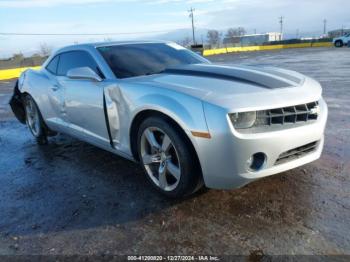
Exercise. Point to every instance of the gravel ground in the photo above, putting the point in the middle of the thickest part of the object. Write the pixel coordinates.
(71, 198)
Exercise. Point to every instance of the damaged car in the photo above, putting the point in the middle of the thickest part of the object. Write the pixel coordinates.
(188, 122)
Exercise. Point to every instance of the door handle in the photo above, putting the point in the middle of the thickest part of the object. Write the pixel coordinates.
(55, 87)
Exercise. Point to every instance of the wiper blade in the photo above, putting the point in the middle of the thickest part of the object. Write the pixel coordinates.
(153, 73)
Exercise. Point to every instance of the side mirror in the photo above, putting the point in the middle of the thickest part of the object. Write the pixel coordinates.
(83, 73)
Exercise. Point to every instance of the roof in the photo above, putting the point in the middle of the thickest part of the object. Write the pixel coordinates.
(100, 44)
(88, 46)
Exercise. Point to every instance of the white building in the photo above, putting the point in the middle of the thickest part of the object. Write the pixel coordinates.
(255, 39)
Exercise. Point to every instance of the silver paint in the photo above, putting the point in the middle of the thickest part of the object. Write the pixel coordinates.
(196, 103)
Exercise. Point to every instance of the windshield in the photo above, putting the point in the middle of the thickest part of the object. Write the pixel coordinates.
(145, 59)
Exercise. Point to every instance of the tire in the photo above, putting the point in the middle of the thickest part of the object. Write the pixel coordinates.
(168, 159)
(338, 43)
(34, 120)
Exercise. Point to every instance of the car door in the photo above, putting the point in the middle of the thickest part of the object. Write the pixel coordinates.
(83, 99)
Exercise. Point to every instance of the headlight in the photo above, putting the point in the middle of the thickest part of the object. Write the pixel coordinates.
(243, 120)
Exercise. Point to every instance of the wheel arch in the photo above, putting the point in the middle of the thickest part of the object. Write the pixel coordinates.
(144, 114)
(47, 130)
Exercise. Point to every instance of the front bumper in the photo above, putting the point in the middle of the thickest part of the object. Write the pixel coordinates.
(224, 157)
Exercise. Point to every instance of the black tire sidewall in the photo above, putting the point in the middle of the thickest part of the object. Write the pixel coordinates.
(190, 175)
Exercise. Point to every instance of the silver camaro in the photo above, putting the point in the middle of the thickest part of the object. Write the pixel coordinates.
(188, 122)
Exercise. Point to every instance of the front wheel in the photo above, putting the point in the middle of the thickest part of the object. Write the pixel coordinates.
(34, 120)
(167, 158)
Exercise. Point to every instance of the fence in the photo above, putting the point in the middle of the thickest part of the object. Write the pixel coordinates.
(7, 74)
(226, 50)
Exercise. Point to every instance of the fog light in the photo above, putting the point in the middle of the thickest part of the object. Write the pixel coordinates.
(256, 161)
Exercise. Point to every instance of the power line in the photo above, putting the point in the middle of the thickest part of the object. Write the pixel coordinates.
(192, 17)
(78, 34)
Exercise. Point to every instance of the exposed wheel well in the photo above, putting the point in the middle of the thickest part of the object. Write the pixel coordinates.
(140, 117)
(17, 105)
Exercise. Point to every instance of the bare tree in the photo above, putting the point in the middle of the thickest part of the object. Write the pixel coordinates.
(185, 42)
(241, 31)
(18, 56)
(213, 37)
(18, 59)
(234, 32)
(45, 49)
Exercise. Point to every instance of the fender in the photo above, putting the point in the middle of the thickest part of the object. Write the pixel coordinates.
(189, 118)
(120, 112)
(188, 114)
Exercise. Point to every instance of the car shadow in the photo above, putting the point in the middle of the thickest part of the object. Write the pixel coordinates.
(69, 184)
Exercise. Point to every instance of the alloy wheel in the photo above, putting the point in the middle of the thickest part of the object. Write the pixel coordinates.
(32, 115)
(160, 158)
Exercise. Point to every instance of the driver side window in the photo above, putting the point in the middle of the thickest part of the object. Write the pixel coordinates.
(75, 59)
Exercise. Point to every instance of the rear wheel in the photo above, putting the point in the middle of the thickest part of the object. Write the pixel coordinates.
(339, 43)
(34, 120)
(167, 158)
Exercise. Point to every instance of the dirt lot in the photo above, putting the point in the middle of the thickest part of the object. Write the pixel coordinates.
(71, 198)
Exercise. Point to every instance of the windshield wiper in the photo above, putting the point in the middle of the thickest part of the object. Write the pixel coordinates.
(153, 73)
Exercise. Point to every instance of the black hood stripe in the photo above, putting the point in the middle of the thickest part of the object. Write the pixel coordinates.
(210, 75)
(251, 76)
(282, 74)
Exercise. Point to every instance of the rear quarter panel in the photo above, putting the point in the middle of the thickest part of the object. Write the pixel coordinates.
(36, 84)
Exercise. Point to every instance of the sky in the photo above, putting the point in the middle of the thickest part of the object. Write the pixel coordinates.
(149, 19)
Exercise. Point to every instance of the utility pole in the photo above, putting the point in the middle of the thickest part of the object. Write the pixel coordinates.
(325, 26)
(281, 26)
(192, 18)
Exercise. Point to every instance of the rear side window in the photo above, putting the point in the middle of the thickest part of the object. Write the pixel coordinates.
(52, 66)
(76, 59)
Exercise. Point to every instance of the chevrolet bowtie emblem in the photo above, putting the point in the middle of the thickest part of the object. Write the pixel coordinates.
(315, 110)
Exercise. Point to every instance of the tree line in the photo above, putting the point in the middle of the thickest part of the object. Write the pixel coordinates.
(19, 60)
(214, 37)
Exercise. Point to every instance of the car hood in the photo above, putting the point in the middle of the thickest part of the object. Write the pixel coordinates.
(238, 88)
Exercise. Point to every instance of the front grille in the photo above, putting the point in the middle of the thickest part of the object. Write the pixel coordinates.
(288, 115)
(296, 153)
